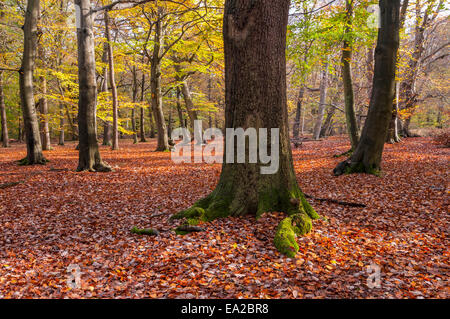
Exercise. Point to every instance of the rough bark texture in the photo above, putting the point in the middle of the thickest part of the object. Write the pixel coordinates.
(89, 155)
(4, 124)
(367, 156)
(112, 83)
(322, 102)
(352, 127)
(31, 124)
(255, 85)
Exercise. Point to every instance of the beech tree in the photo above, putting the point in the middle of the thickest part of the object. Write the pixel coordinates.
(30, 120)
(367, 156)
(255, 90)
(89, 155)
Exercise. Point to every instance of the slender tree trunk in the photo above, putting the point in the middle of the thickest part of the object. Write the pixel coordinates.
(31, 124)
(142, 110)
(89, 155)
(192, 113)
(43, 106)
(157, 102)
(367, 156)
(323, 101)
(352, 127)
(133, 110)
(61, 125)
(393, 131)
(255, 90)
(3, 119)
(112, 81)
(179, 110)
(298, 113)
(326, 127)
(107, 128)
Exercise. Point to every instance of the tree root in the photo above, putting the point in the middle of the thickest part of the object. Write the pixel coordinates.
(25, 162)
(346, 153)
(287, 231)
(148, 231)
(335, 201)
(349, 167)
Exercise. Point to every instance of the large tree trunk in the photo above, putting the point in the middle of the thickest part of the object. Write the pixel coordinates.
(89, 155)
(322, 102)
(31, 124)
(3, 120)
(255, 86)
(298, 112)
(367, 156)
(155, 84)
(112, 82)
(352, 127)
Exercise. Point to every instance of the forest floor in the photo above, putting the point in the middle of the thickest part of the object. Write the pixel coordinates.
(58, 218)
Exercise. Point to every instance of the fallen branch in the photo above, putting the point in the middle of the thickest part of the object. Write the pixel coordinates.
(11, 184)
(330, 200)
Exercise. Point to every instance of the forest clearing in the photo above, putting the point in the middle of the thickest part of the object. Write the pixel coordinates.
(58, 218)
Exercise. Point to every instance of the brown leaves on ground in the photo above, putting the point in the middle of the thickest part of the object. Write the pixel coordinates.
(59, 218)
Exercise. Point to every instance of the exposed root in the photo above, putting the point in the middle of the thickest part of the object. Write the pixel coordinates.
(287, 232)
(148, 231)
(349, 167)
(25, 161)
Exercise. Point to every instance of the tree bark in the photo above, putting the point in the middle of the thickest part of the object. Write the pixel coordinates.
(298, 112)
(3, 119)
(112, 83)
(322, 102)
(43, 106)
(255, 89)
(89, 155)
(157, 102)
(31, 124)
(192, 113)
(352, 127)
(133, 110)
(367, 156)
(179, 109)
(142, 110)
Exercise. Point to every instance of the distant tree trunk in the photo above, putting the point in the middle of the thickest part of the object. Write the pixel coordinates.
(255, 85)
(112, 82)
(89, 155)
(43, 106)
(142, 110)
(393, 131)
(31, 124)
(192, 113)
(179, 110)
(323, 101)
(298, 113)
(352, 127)
(326, 127)
(107, 129)
(133, 110)
(157, 102)
(367, 156)
(3, 119)
(61, 125)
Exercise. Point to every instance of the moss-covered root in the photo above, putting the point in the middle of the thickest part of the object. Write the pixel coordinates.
(287, 231)
(25, 162)
(148, 231)
(349, 167)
